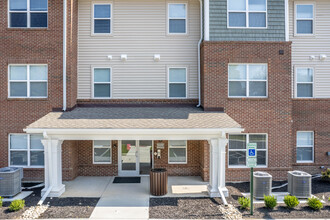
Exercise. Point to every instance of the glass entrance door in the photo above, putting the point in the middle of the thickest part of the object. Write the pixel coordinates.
(129, 154)
(135, 157)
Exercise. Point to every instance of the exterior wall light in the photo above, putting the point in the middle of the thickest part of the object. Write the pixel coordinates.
(323, 57)
(157, 57)
(109, 57)
(312, 57)
(123, 57)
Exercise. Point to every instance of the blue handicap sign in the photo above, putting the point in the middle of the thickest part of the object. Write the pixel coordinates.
(252, 152)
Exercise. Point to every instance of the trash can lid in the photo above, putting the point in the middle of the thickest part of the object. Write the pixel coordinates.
(158, 170)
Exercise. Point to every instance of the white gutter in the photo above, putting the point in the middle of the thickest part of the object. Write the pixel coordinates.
(199, 52)
(206, 20)
(223, 198)
(43, 198)
(286, 9)
(64, 54)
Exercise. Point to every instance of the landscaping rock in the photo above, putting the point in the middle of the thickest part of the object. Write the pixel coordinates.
(34, 212)
(230, 212)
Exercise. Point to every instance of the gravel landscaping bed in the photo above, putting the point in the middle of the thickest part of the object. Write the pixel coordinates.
(320, 189)
(69, 207)
(185, 208)
(31, 200)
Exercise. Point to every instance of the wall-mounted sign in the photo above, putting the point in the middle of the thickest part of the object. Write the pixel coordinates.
(160, 145)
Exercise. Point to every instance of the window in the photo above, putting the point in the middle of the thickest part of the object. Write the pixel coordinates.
(177, 18)
(304, 19)
(177, 152)
(26, 150)
(102, 82)
(102, 19)
(102, 152)
(247, 13)
(238, 150)
(177, 82)
(304, 81)
(28, 13)
(305, 147)
(28, 81)
(247, 80)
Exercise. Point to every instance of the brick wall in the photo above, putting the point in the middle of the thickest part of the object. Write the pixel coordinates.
(270, 115)
(313, 115)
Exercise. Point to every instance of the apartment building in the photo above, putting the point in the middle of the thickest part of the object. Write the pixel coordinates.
(116, 87)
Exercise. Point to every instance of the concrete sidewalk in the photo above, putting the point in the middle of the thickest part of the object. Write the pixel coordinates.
(124, 201)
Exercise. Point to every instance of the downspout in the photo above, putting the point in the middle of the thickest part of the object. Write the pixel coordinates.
(64, 54)
(286, 7)
(199, 53)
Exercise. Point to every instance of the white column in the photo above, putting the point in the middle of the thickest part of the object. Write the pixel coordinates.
(217, 167)
(53, 167)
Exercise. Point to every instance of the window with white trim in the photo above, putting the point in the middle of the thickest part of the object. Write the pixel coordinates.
(304, 19)
(28, 81)
(102, 19)
(237, 150)
(305, 147)
(28, 13)
(304, 82)
(26, 150)
(247, 80)
(177, 18)
(177, 83)
(177, 151)
(102, 82)
(247, 13)
(102, 152)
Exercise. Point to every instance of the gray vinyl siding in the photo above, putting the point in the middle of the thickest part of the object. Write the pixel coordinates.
(305, 46)
(274, 32)
(138, 30)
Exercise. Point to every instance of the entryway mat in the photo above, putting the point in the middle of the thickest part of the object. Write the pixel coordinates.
(127, 180)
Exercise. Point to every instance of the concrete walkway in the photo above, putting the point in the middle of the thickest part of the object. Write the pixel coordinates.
(124, 201)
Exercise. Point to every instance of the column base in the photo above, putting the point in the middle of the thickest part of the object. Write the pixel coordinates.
(55, 192)
(215, 192)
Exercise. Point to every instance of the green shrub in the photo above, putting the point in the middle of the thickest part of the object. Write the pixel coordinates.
(315, 203)
(270, 201)
(1, 201)
(326, 175)
(16, 205)
(291, 201)
(244, 202)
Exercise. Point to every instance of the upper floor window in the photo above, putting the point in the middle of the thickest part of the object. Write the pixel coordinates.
(177, 151)
(177, 83)
(304, 19)
(102, 18)
(247, 13)
(102, 82)
(237, 149)
(28, 81)
(26, 150)
(102, 152)
(305, 147)
(28, 13)
(177, 18)
(304, 82)
(247, 80)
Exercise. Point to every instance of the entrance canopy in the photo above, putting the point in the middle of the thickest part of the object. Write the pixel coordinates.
(135, 123)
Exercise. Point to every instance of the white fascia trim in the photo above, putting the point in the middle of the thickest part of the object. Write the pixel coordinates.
(64, 53)
(134, 134)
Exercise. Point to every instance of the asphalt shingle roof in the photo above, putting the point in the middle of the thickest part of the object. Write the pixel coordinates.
(135, 118)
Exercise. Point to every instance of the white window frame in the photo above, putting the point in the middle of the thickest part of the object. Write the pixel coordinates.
(169, 18)
(28, 81)
(93, 83)
(246, 151)
(110, 147)
(247, 11)
(168, 80)
(28, 15)
(247, 80)
(296, 82)
(93, 19)
(311, 146)
(28, 150)
(177, 147)
(296, 19)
